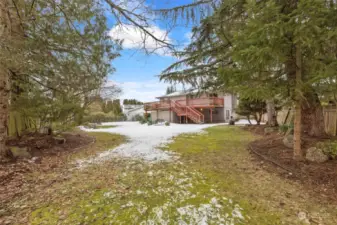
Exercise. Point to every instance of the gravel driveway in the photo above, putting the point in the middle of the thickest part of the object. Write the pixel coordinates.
(143, 141)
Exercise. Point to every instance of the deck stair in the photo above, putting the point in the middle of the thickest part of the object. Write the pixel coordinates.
(187, 111)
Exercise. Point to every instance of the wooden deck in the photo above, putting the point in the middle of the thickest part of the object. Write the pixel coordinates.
(211, 102)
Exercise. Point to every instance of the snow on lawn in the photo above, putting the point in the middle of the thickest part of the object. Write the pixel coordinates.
(147, 194)
(143, 141)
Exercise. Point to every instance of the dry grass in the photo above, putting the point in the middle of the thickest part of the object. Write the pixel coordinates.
(214, 177)
(268, 198)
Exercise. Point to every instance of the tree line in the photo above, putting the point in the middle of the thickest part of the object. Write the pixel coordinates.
(132, 102)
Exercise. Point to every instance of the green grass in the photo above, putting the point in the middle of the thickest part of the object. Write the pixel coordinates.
(221, 155)
(103, 141)
(105, 126)
(215, 171)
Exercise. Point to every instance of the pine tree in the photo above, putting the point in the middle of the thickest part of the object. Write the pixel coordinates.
(265, 49)
(60, 50)
(170, 89)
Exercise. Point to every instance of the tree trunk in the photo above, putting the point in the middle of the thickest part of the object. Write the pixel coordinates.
(257, 119)
(248, 118)
(313, 118)
(298, 154)
(271, 113)
(4, 109)
(5, 33)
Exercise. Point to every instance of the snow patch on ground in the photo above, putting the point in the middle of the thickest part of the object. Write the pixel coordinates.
(143, 141)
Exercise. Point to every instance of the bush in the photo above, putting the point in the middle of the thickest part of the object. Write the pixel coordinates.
(137, 118)
(149, 123)
(101, 117)
(285, 127)
(329, 148)
(143, 121)
(167, 123)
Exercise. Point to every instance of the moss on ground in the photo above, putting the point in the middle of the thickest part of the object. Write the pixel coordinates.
(214, 181)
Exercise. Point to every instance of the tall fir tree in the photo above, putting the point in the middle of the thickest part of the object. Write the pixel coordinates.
(265, 49)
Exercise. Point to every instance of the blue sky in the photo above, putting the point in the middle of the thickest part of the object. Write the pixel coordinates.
(136, 71)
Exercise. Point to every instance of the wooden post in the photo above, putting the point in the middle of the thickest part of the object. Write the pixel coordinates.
(298, 153)
(170, 115)
(335, 123)
(210, 111)
(180, 118)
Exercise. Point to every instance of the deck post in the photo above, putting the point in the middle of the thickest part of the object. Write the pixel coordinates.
(170, 115)
(210, 111)
(180, 118)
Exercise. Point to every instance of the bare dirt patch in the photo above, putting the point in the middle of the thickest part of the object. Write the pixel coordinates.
(46, 154)
(320, 179)
(25, 183)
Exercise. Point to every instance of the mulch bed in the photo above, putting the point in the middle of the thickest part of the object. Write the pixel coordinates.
(48, 155)
(318, 178)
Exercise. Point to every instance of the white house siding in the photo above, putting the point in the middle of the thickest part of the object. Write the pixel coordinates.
(220, 114)
(229, 107)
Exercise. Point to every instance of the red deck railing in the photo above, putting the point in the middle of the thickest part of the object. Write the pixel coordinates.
(195, 115)
(203, 102)
(194, 103)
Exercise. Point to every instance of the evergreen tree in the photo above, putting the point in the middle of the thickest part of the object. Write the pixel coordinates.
(116, 107)
(266, 49)
(59, 52)
(170, 89)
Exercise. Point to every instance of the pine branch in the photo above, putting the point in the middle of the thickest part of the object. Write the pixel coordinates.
(128, 16)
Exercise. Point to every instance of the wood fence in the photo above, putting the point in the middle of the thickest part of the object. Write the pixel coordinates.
(330, 119)
(18, 123)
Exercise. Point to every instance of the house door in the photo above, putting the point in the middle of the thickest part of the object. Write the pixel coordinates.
(228, 114)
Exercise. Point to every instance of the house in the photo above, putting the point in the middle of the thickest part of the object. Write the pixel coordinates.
(132, 111)
(192, 107)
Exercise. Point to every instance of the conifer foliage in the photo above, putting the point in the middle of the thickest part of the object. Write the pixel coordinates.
(55, 57)
(264, 49)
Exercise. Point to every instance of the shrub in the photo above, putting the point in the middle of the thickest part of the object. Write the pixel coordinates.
(101, 117)
(254, 107)
(285, 127)
(149, 123)
(137, 118)
(329, 148)
(167, 123)
(143, 121)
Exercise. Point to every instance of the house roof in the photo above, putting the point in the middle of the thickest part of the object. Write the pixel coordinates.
(133, 110)
(179, 93)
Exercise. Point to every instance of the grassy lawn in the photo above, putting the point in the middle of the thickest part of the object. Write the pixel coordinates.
(214, 181)
(105, 126)
(221, 155)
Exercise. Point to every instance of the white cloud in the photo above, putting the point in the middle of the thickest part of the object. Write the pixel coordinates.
(134, 38)
(145, 91)
(188, 36)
